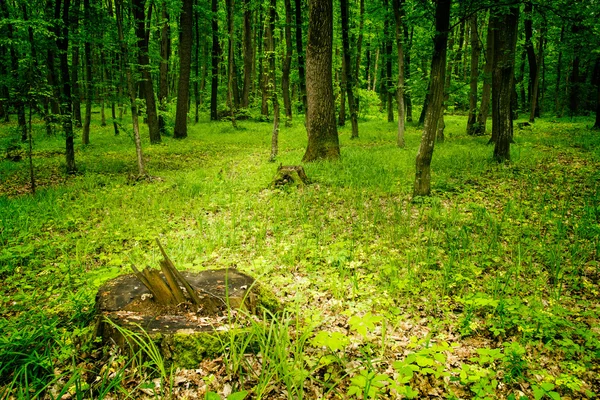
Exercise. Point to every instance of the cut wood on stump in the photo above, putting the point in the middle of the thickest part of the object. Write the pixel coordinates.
(290, 175)
(184, 312)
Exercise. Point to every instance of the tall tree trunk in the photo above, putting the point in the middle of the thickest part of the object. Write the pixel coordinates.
(163, 68)
(287, 62)
(398, 6)
(487, 82)
(505, 40)
(216, 52)
(388, 86)
(67, 106)
(557, 93)
(139, 14)
(475, 51)
(197, 66)
(437, 79)
(407, 95)
(531, 56)
(323, 142)
(130, 89)
(87, 52)
(300, 53)
(340, 76)
(347, 68)
(229, 4)
(359, 42)
(75, 58)
(535, 93)
(185, 63)
(248, 54)
(271, 83)
(574, 91)
(264, 76)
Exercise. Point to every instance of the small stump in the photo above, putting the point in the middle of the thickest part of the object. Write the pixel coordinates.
(289, 175)
(187, 331)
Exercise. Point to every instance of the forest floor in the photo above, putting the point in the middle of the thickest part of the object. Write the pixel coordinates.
(487, 289)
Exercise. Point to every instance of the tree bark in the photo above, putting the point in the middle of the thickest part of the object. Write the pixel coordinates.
(229, 4)
(75, 59)
(398, 6)
(436, 95)
(505, 40)
(163, 68)
(557, 94)
(359, 42)
(216, 52)
(323, 142)
(300, 53)
(248, 54)
(286, 64)
(347, 68)
(185, 63)
(487, 82)
(407, 95)
(535, 93)
(271, 82)
(531, 57)
(87, 53)
(139, 15)
(387, 85)
(130, 89)
(475, 51)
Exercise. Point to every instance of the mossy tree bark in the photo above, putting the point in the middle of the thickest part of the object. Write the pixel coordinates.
(422, 185)
(323, 142)
(505, 40)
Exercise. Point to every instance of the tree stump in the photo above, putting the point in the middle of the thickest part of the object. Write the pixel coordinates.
(185, 329)
(290, 175)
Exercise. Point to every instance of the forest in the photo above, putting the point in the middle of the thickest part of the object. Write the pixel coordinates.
(409, 191)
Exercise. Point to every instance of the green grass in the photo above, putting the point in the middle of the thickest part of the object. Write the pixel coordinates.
(500, 262)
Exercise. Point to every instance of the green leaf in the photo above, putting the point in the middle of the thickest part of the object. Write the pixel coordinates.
(238, 395)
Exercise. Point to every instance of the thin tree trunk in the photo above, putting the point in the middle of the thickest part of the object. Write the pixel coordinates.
(67, 107)
(398, 6)
(596, 80)
(505, 40)
(75, 58)
(248, 54)
(531, 56)
(475, 51)
(130, 89)
(216, 51)
(437, 79)
(287, 62)
(487, 83)
(271, 82)
(87, 52)
(407, 95)
(388, 85)
(300, 53)
(359, 42)
(230, 65)
(185, 63)
(196, 66)
(139, 14)
(163, 68)
(323, 142)
(557, 93)
(535, 110)
(347, 68)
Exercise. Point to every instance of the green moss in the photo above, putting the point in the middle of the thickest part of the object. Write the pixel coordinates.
(186, 350)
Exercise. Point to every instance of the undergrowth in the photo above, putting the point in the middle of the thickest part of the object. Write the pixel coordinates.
(486, 289)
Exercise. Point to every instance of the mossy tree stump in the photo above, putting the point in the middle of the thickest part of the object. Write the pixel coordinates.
(290, 175)
(187, 322)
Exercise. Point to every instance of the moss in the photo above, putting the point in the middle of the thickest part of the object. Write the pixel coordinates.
(266, 299)
(186, 350)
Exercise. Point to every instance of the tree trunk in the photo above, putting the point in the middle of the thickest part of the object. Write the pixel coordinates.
(535, 93)
(436, 95)
(87, 52)
(229, 4)
(407, 95)
(472, 128)
(347, 68)
(487, 82)
(248, 54)
(341, 77)
(398, 6)
(300, 53)
(557, 93)
(139, 15)
(271, 83)
(163, 68)
(323, 142)
(130, 89)
(216, 52)
(75, 58)
(388, 86)
(359, 42)
(596, 80)
(287, 62)
(185, 63)
(505, 40)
